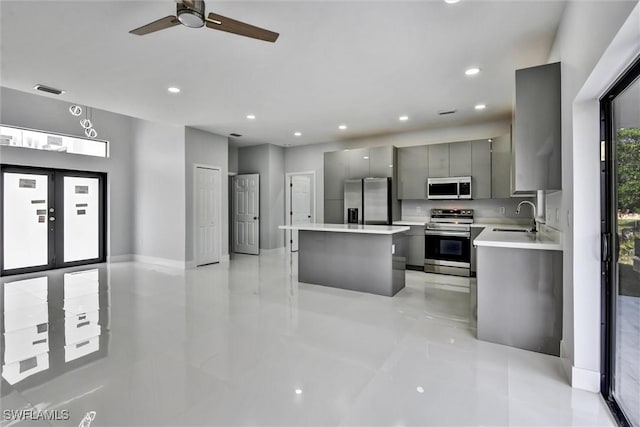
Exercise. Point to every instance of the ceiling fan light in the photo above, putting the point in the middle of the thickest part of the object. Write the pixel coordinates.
(193, 18)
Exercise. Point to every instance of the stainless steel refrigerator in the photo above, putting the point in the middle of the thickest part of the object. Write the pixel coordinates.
(371, 197)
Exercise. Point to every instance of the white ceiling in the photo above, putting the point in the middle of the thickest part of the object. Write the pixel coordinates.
(361, 63)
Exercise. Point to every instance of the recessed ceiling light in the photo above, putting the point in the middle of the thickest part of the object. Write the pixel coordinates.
(480, 107)
(420, 389)
(297, 134)
(251, 116)
(174, 89)
(472, 71)
(390, 166)
(366, 157)
(403, 118)
(451, 1)
(342, 127)
(298, 391)
(490, 139)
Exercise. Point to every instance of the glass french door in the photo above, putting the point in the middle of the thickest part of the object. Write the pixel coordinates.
(50, 219)
(620, 167)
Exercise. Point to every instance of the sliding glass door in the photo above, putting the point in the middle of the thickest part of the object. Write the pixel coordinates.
(50, 219)
(620, 159)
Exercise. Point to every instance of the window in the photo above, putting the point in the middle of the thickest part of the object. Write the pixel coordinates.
(37, 140)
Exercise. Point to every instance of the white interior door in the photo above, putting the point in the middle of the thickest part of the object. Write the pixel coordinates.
(26, 220)
(207, 210)
(301, 204)
(81, 218)
(246, 214)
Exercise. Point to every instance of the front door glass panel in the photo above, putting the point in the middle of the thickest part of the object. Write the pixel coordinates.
(25, 220)
(81, 218)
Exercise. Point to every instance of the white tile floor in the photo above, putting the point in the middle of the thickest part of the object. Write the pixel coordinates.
(245, 344)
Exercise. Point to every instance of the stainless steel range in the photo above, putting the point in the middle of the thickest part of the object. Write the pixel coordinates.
(448, 242)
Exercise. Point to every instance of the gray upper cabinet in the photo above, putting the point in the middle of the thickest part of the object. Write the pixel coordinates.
(481, 169)
(501, 167)
(438, 160)
(335, 172)
(358, 160)
(381, 162)
(413, 171)
(537, 129)
(460, 158)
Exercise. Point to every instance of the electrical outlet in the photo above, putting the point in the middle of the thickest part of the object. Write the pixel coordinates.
(501, 210)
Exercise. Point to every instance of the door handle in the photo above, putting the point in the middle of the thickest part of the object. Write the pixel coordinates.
(308, 216)
(51, 218)
(255, 217)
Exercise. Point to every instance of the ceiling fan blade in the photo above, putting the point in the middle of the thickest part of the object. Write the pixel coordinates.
(188, 3)
(160, 24)
(222, 23)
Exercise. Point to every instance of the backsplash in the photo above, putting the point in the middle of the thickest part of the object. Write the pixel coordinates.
(484, 208)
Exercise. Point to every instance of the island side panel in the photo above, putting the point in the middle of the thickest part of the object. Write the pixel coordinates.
(520, 298)
(355, 261)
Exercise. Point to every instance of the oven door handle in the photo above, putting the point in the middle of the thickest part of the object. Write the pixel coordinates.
(446, 233)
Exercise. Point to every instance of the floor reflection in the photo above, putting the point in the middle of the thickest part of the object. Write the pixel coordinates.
(52, 323)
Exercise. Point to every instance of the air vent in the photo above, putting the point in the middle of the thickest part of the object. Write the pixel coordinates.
(237, 135)
(48, 89)
(445, 112)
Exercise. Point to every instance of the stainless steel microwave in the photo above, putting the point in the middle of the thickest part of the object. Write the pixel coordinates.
(452, 188)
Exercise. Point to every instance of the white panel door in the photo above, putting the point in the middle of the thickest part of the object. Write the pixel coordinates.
(81, 218)
(207, 222)
(246, 214)
(301, 204)
(26, 220)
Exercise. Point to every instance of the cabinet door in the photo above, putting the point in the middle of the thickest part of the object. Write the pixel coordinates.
(413, 171)
(335, 172)
(381, 162)
(481, 169)
(438, 160)
(333, 211)
(501, 167)
(537, 129)
(460, 158)
(416, 248)
(358, 163)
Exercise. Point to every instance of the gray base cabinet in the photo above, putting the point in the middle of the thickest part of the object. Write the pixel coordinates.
(415, 247)
(520, 298)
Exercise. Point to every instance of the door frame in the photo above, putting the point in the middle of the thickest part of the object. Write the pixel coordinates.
(56, 239)
(194, 231)
(609, 239)
(287, 206)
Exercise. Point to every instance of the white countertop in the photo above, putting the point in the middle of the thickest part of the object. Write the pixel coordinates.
(411, 222)
(348, 228)
(546, 239)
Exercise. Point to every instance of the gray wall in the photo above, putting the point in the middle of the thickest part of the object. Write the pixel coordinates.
(206, 149)
(268, 161)
(43, 113)
(159, 197)
(311, 157)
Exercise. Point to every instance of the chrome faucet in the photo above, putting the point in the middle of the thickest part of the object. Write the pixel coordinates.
(534, 222)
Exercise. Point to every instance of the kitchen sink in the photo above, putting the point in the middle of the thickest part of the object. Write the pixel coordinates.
(515, 230)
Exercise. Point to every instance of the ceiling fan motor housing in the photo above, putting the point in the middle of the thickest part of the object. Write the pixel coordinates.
(191, 16)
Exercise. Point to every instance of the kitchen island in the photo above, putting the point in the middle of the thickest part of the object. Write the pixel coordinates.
(519, 288)
(365, 258)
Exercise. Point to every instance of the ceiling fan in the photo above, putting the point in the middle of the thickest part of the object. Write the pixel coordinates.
(191, 13)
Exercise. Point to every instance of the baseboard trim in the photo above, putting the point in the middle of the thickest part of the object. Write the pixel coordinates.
(583, 379)
(120, 258)
(171, 263)
(224, 258)
(191, 264)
